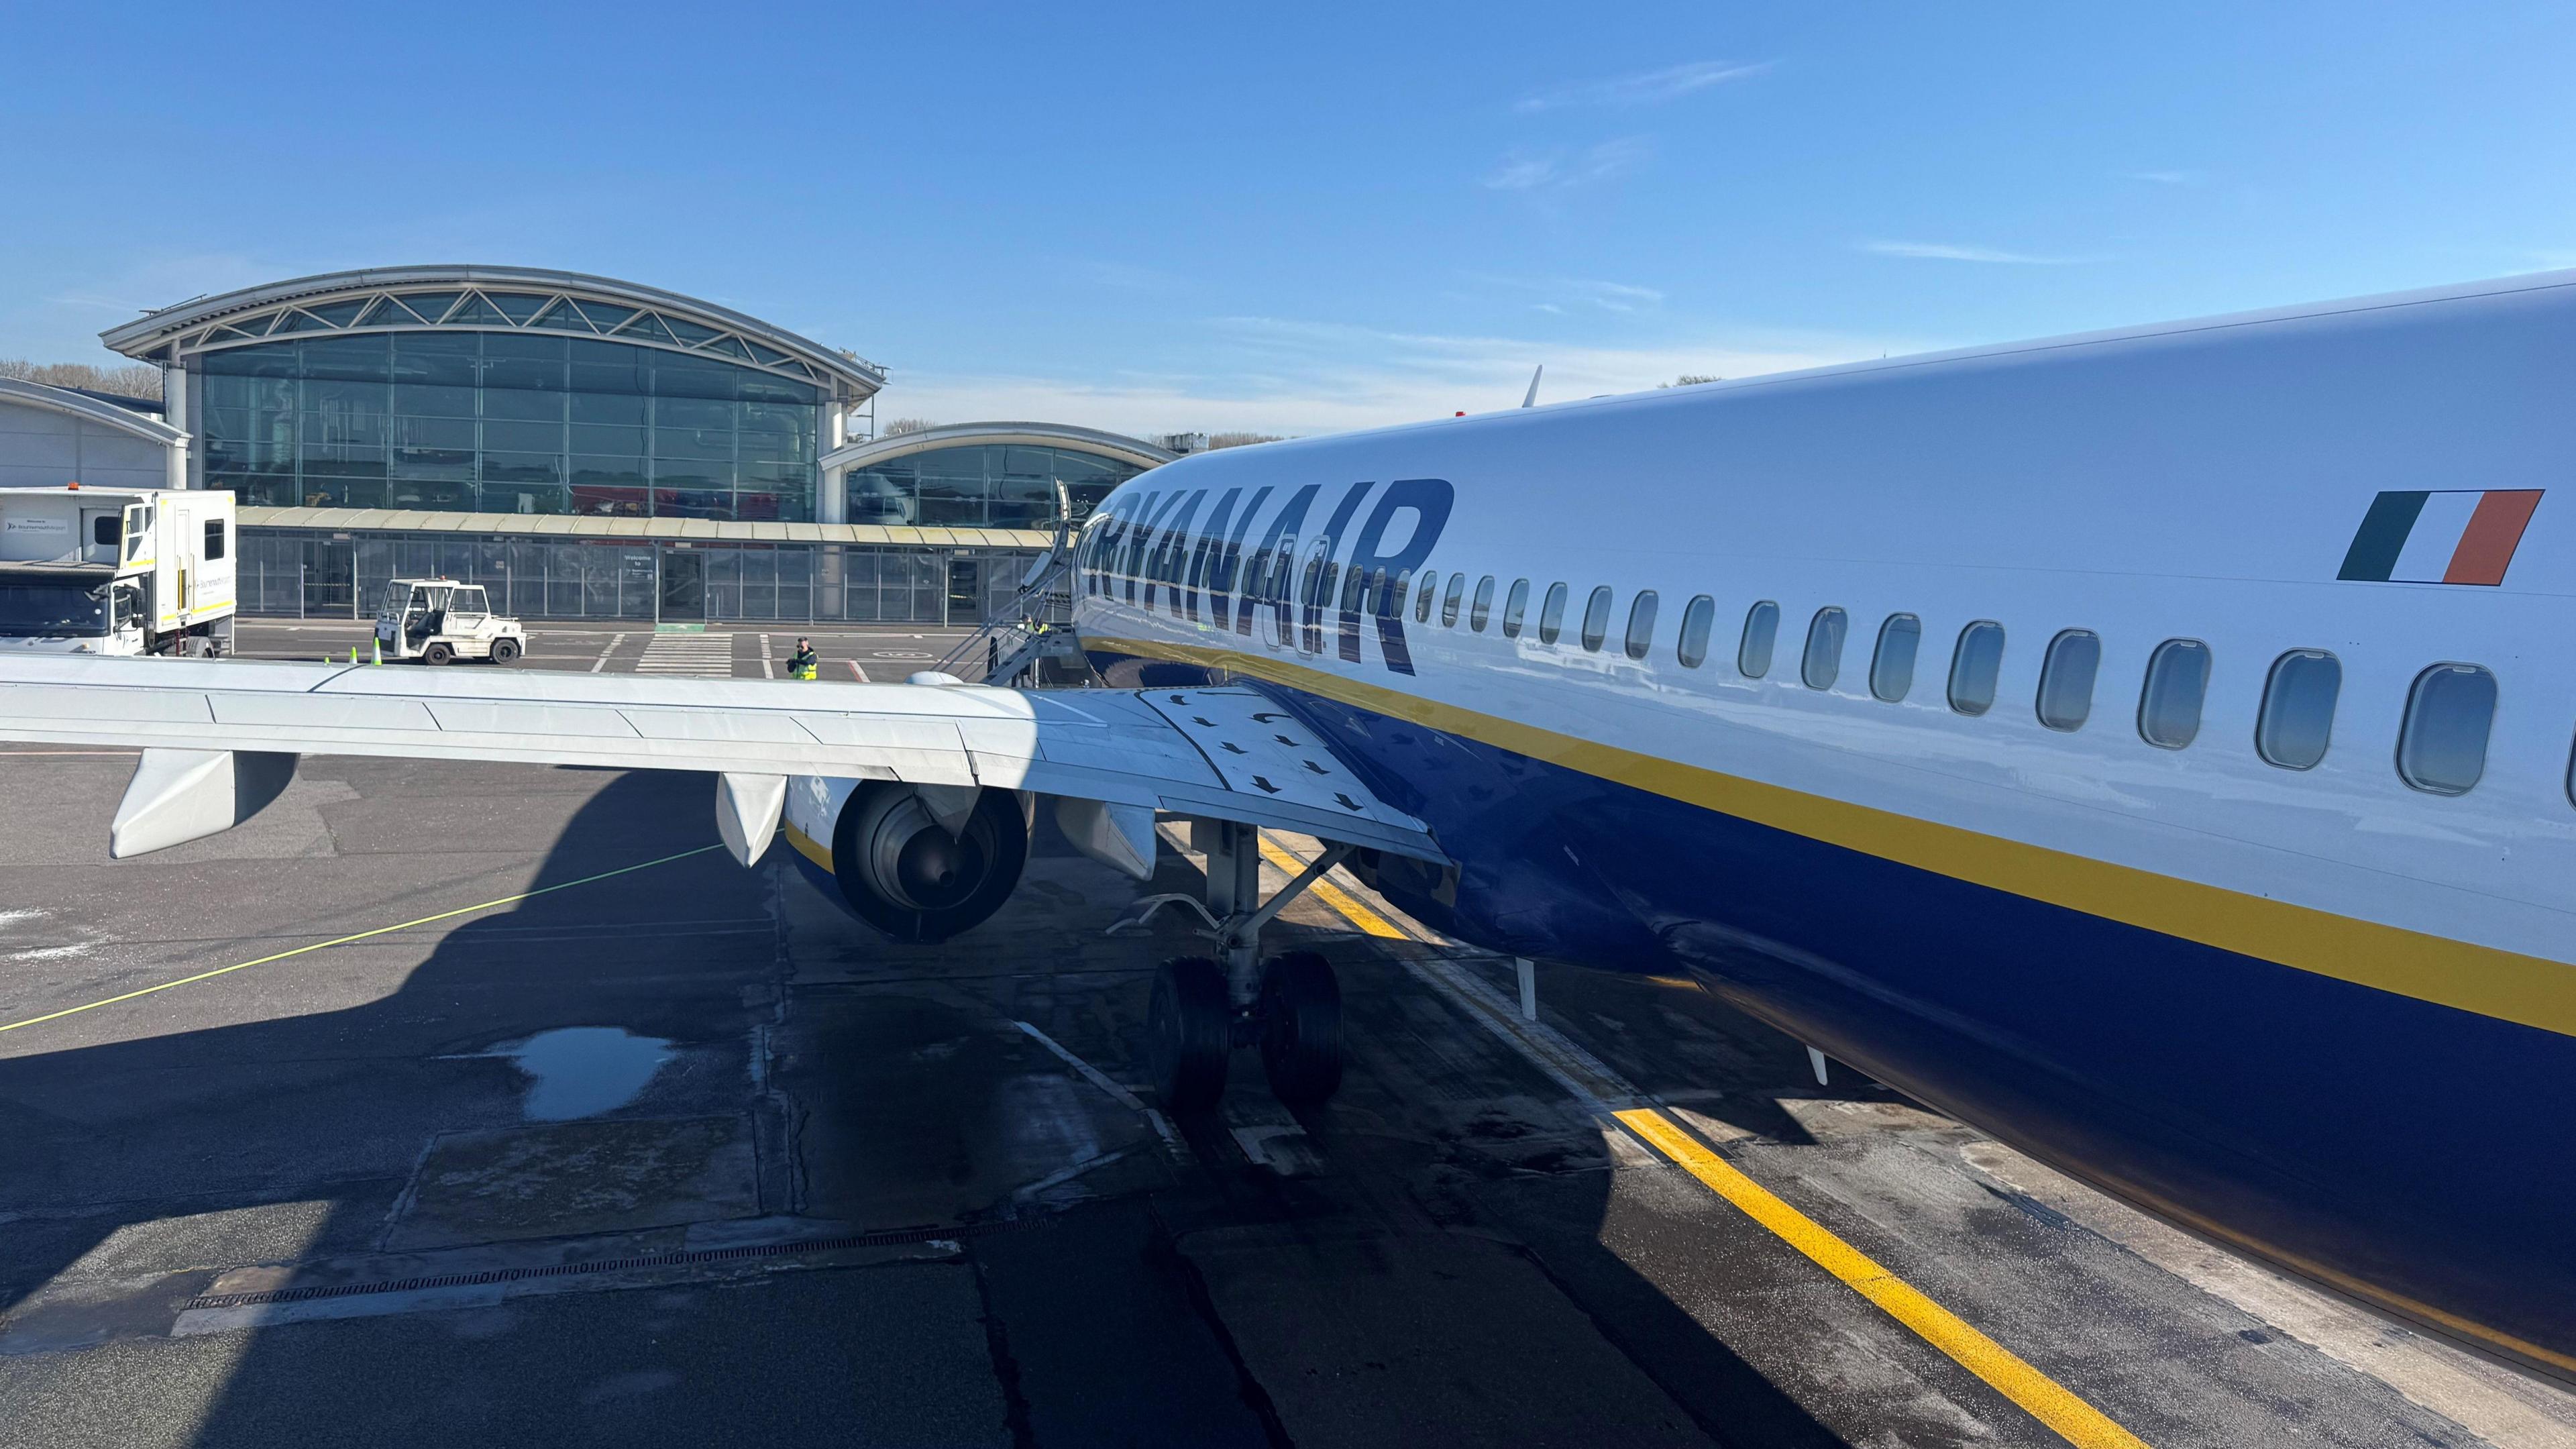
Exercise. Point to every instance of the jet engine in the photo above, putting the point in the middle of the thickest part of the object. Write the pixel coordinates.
(925, 862)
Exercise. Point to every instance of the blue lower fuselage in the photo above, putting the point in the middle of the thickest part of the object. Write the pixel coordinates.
(2413, 1154)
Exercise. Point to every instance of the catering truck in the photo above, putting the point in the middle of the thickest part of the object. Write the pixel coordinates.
(116, 570)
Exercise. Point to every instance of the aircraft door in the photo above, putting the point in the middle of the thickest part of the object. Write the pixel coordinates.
(1314, 584)
(1278, 567)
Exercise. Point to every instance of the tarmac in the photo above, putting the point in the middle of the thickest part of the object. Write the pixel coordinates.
(608, 1140)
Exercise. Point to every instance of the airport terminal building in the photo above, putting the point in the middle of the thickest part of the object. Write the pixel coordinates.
(590, 448)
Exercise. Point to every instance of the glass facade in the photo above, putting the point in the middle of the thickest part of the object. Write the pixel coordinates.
(505, 422)
(293, 573)
(982, 485)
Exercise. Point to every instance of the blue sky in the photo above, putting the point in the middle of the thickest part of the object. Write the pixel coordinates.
(1297, 219)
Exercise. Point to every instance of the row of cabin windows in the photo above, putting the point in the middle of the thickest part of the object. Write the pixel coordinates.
(2441, 748)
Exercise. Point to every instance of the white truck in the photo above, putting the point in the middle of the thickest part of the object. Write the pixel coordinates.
(117, 570)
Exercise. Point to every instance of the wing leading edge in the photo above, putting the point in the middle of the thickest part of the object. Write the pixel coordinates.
(1223, 754)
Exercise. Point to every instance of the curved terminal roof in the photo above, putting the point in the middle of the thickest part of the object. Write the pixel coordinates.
(81, 405)
(496, 299)
(1042, 435)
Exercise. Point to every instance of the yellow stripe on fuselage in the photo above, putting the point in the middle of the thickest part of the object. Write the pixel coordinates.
(806, 846)
(2506, 985)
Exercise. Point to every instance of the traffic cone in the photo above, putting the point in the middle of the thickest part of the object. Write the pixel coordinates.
(375, 647)
(353, 653)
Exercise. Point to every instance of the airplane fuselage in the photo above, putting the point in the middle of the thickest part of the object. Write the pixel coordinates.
(2152, 747)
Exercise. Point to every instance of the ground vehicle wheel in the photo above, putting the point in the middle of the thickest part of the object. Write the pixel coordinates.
(1189, 1033)
(504, 650)
(1301, 1027)
(439, 653)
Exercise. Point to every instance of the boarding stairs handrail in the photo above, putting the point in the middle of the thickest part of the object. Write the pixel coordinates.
(1037, 617)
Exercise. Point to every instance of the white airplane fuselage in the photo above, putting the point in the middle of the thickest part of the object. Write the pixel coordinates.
(2300, 1004)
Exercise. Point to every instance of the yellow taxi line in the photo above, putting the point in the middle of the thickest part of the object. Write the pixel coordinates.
(1332, 895)
(345, 940)
(2042, 1397)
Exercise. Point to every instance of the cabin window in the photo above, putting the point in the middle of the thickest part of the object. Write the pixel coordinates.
(1391, 603)
(2066, 679)
(2298, 709)
(1515, 606)
(1891, 668)
(1450, 601)
(1551, 614)
(1596, 617)
(1641, 623)
(2443, 748)
(1422, 601)
(1483, 608)
(1761, 628)
(1823, 662)
(1698, 617)
(2177, 683)
(1975, 666)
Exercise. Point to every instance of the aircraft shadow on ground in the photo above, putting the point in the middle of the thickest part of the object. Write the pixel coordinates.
(112, 1156)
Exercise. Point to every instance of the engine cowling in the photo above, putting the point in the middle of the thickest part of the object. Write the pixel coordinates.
(918, 878)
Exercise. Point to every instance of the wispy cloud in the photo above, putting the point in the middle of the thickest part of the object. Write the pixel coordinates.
(1643, 88)
(1282, 375)
(1943, 252)
(1557, 293)
(2168, 178)
(1561, 170)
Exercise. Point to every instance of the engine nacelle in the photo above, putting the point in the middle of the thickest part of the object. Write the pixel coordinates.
(925, 863)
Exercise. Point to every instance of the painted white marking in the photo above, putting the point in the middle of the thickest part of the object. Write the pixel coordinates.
(1098, 1078)
(601, 662)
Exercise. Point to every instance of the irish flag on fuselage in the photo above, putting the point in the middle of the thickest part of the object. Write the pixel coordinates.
(2460, 536)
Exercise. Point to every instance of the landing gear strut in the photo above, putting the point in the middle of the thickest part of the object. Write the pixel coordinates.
(1290, 1005)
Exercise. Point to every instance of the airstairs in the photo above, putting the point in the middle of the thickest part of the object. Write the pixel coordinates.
(1035, 628)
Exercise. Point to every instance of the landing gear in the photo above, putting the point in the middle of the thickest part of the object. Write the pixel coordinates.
(1189, 1033)
(1301, 1028)
(1192, 1030)
(1290, 1005)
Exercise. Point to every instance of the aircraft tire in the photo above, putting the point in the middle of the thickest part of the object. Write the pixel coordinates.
(1301, 1028)
(1189, 1033)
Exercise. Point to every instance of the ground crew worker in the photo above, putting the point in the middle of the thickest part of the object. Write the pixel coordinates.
(804, 664)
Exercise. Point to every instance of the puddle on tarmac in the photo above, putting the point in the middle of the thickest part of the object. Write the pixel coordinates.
(582, 1071)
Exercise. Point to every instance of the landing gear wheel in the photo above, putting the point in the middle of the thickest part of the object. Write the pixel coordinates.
(1301, 1028)
(1189, 1031)
(505, 651)
(438, 654)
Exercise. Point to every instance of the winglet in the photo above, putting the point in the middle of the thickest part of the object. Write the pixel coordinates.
(1530, 399)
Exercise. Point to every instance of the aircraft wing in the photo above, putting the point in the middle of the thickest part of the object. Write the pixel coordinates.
(1224, 754)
